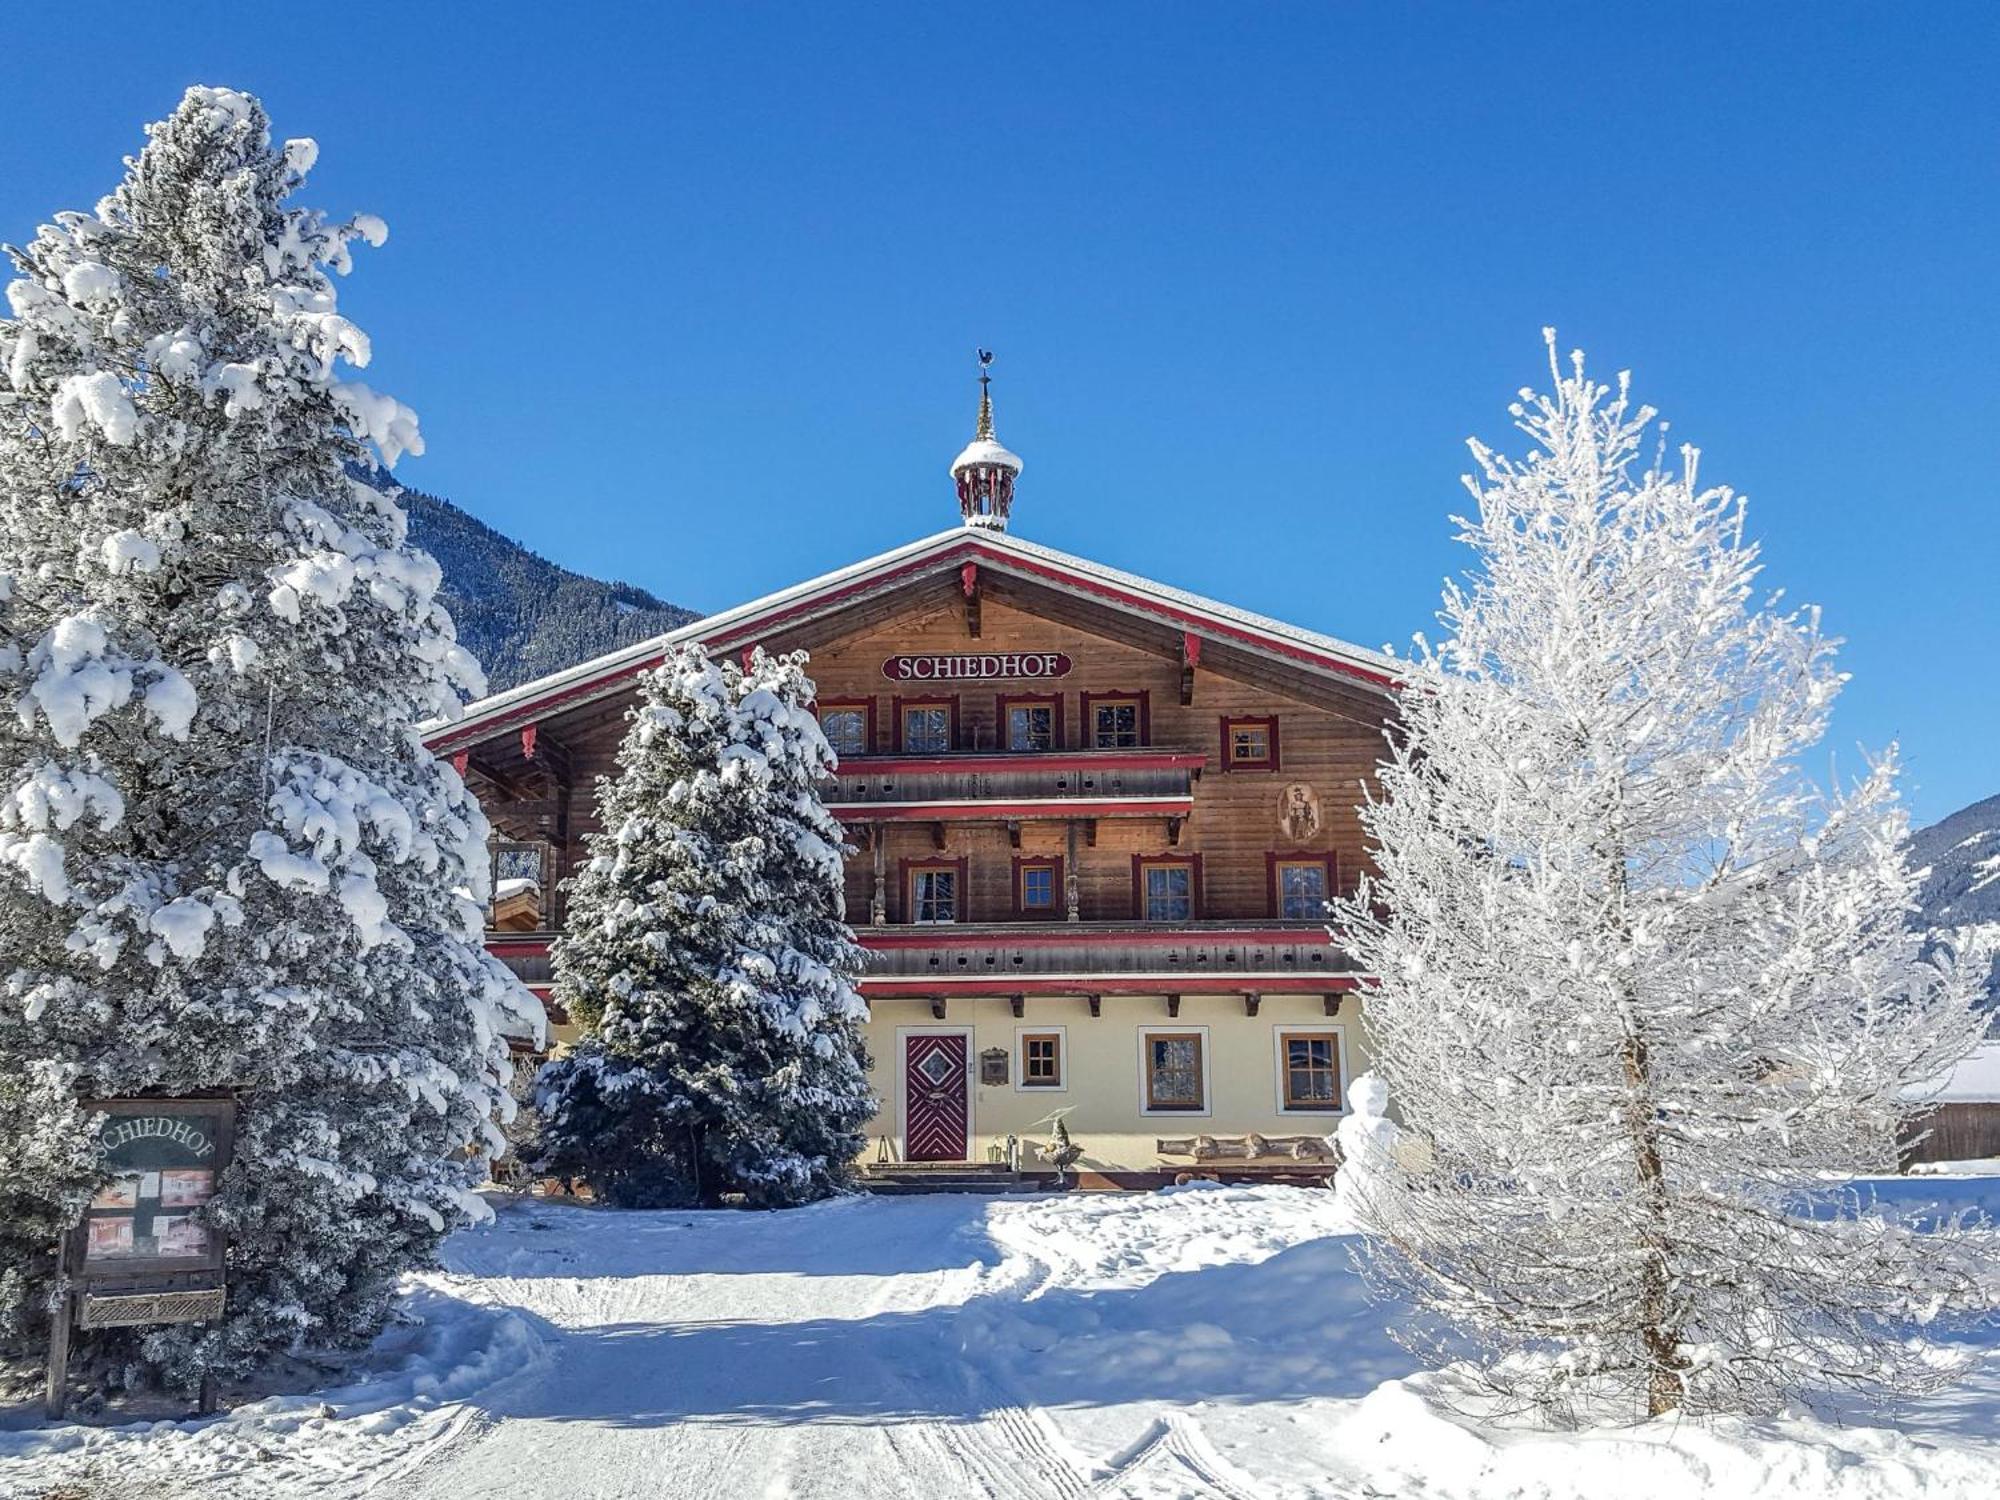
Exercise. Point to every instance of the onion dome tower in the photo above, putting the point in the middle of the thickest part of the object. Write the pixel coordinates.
(985, 471)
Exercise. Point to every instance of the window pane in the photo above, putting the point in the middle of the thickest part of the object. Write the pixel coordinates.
(846, 729)
(1174, 1064)
(936, 894)
(1250, 743)
(1302, 890)
(1116, 726)
(1169, 893)
(1038, 886)
(1030, 729)
(927, 731)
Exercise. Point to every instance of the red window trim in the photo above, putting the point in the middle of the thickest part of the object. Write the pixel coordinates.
(1038, 913)
(906, 869)
(867, 707)
(1143, 862)
(927, 700)
(1004, 701)
(1087, 726)
(1276, 857)
(1269, 722)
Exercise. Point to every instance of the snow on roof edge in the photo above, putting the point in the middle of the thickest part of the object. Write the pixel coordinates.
(615, 662)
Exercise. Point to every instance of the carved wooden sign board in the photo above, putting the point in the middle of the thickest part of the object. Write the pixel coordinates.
(977, 666)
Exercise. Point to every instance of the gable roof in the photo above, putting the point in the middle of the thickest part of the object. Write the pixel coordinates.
(1002, 552)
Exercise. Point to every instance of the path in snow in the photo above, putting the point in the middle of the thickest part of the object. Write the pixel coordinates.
(1173, 1346)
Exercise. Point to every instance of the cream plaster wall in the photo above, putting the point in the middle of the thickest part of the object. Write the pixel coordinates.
(1101, 1079)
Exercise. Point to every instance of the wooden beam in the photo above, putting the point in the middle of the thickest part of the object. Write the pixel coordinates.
(1090, 832)
(1333, 1004)
(1096, 1005)
(1174, 831)
(1190, 659)
(1014, 832)
(1173, 1007)
(937, 1007)
(937, 835)
(1250, 1004)
(1017, 1004)
(968, 581)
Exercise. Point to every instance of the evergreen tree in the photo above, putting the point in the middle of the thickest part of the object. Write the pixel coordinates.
(707, 957)
(1644, 997)
(227, 861)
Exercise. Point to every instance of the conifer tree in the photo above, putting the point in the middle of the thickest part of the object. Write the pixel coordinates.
(706, 954)
(1644, 997)
(227, 862)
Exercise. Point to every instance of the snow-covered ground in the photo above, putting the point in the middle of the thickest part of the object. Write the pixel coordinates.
(1191, 1343)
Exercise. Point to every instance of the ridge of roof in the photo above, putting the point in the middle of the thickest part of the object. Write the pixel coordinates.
(1372, 666)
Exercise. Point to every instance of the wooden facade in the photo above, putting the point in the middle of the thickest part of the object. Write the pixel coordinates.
(1074, 797)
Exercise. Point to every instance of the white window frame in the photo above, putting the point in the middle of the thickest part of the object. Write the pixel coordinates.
(1279, 1031)
(1207, 1109)
(1021, 1084)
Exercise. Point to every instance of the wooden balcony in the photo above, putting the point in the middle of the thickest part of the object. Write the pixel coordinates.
(1010, 788)
(1082, 958)
(1089, 958)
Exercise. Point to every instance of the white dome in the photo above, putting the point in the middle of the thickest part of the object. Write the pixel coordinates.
(985, 453)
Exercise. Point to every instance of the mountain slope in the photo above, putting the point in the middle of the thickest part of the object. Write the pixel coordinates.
(519, 613)
(1963, 889)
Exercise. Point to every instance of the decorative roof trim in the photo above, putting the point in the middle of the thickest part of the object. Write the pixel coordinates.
(744, 624)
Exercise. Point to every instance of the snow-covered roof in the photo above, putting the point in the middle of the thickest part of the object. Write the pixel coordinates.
(1976, 1079)
(985, 453)
(1001, 551)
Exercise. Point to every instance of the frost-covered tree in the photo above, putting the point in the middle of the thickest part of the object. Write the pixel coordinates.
(707, 956)
(1644, 996)
(227, 862)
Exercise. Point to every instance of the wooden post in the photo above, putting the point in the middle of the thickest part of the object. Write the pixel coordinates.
(878, 908)
(56, 1398)
(1070, 903)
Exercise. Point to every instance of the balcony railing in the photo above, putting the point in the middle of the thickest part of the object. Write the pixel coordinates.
(1089, 782)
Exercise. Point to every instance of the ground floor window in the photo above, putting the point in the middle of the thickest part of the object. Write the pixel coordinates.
(1175, 1070)
(1041, 1060)
(1309, 1071)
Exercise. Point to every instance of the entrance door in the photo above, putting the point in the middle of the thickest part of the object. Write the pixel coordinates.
(934, 1095)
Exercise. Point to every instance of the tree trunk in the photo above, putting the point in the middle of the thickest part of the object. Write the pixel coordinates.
(1662, 1339)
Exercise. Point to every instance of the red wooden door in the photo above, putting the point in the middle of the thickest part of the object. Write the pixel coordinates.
(934, 1093)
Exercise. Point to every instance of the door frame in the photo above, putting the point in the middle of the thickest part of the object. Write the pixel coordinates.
(903, 1033)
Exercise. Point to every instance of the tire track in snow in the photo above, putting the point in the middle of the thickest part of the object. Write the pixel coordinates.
(1177, 1446)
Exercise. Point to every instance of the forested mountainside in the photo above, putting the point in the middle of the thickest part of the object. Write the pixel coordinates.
(519, 613)
(1963, 852)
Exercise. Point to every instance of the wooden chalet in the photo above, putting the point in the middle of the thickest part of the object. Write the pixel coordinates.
(1095, 820)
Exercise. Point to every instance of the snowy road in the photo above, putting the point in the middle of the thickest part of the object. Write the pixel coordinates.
(1192, 1344)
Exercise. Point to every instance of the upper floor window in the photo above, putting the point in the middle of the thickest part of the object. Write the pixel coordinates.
(1116, 724)
(1037, 886)
(847, 727)
(1300, 888)
(1031, 724)
(936, 893)
(1250, 744)
(925, 728)
(1167, 889)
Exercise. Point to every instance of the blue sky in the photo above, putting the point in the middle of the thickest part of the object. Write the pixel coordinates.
(688, 296)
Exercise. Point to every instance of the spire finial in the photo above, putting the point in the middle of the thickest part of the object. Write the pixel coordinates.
(985, 472)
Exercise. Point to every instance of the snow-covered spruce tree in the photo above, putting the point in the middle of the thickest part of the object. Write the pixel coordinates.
(1643, 995)
(707, 957)
(227, 862)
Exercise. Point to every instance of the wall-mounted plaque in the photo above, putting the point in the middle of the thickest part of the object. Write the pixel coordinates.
(976, 666)
(993, 1065)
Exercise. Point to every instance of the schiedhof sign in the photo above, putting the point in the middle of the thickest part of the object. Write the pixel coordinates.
(976, 666)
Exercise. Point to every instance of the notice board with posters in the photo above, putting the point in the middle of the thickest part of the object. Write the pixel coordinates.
(166, 1158)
